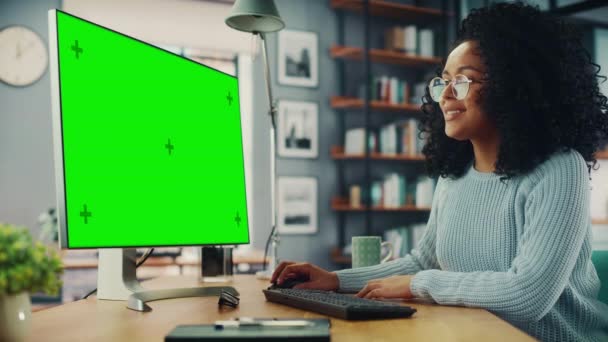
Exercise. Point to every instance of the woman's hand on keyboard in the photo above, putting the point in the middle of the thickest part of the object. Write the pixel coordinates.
(391, 287)
(316, 277)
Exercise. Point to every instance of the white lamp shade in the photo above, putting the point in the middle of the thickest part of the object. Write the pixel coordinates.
(258, 16)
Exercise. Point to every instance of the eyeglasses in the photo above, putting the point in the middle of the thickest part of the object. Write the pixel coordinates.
(460, 87)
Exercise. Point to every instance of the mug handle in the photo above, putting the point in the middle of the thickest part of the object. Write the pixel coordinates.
(390, 251)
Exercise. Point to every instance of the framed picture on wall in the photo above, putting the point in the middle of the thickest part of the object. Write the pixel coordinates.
(298, 58)
(298, 129)
(297, 205)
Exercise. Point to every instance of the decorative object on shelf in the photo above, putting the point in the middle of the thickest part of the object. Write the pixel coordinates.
(23, 55)
(25, 267)
(260, 17)
(298, 58)
(297, 205)
(298, 129)
(216, 264)
(355, 196)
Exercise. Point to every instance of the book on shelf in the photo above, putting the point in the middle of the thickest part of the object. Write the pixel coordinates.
(426, 43)
(394, 191)
(394, 39)
(389, 89)
(411, 40)
(425, 187)
(354, 141)
(400, 138)
(405, 238)
(417, 233)
(399, 237)
(417, 92)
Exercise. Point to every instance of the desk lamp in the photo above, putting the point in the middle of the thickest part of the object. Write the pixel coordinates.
(261, 17)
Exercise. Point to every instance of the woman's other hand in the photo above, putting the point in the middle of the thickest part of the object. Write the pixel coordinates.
(391, 287)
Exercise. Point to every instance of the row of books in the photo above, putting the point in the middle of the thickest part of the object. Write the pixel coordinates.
(410, 39)
(400, 137)
(404, 239)
(390, 89)
(394, 90)
(395, 191)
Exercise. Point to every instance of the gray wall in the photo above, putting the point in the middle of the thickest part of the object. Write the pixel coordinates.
(318, 17)
(27, 186)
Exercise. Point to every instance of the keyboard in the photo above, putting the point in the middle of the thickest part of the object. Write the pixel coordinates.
(336, 304)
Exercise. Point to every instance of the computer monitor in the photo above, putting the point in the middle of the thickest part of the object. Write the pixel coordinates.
(148, 149)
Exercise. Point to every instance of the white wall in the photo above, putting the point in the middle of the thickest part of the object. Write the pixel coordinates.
(188, 23)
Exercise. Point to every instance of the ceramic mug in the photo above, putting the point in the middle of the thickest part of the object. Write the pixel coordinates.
(367, 251)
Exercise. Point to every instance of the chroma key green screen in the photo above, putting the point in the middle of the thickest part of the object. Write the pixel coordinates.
(152, 145)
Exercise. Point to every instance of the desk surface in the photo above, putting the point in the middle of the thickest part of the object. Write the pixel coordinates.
(91, 320)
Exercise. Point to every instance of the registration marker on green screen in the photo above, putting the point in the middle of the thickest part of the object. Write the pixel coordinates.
(148, 144)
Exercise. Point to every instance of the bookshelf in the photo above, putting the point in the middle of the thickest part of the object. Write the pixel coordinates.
(363, 108)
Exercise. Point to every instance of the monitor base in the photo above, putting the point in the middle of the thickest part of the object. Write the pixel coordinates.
(116, 280)
(137, 301)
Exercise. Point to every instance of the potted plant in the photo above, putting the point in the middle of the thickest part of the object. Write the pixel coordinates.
(25, 267)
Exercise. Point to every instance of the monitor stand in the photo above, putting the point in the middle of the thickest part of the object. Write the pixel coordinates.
(116, 280)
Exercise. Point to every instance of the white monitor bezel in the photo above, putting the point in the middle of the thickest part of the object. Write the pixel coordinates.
(56, 119)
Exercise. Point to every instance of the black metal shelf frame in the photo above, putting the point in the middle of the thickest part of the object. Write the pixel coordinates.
(367, 76)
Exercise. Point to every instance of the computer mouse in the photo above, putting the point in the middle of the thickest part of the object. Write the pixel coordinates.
(289, 283)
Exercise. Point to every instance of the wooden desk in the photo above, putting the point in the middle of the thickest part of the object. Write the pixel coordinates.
(90, 320)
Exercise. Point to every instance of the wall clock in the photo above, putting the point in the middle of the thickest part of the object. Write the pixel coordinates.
(23, 56)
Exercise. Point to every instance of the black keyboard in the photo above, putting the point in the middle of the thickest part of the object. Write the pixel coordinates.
(337, 305)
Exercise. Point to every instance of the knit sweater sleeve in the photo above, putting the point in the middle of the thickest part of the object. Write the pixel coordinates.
(556, 220)
(421, 258)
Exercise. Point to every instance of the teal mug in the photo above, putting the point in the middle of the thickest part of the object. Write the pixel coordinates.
(367, 251)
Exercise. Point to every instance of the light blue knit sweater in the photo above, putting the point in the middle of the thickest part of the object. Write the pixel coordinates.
(521, 249)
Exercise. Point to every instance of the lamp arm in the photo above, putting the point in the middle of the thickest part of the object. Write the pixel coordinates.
(274, 234)
(273, 109)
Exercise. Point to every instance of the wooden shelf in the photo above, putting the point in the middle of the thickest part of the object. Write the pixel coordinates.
(383, 56)
(599, 221)
(338, 258)
(388, 9)
(342, 204)
(345, 102)
(88, 263)
(602, 154)
(337, 153)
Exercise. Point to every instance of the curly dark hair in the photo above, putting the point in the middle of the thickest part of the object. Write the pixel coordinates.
(540, 90)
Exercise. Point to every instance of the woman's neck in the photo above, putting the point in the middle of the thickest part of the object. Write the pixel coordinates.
(486, 153)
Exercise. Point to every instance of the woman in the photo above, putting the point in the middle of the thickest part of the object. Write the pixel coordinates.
(513, 121)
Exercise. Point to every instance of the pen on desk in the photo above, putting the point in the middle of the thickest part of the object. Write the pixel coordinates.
(265, 323)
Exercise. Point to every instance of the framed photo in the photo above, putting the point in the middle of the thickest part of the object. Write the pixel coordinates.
(298, 58)
(297, 205)
(298, 129)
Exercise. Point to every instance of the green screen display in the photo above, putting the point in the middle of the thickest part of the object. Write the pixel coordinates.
(152, 146)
